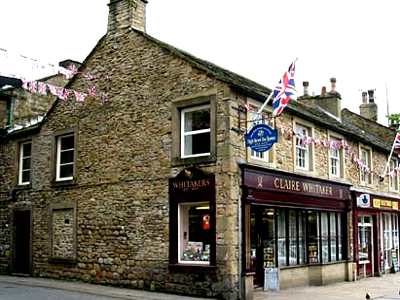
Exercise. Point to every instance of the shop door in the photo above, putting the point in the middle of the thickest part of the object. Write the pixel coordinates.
(22, 225)
(262, 242)
(365, 246)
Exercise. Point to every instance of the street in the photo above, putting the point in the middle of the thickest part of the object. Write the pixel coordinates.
(22, 288)
(9, 291)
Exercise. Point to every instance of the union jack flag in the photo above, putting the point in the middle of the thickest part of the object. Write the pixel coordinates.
(396, 144)
(284, 91)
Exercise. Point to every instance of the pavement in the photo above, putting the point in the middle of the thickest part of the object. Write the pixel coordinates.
(21, 288)
(386, 287)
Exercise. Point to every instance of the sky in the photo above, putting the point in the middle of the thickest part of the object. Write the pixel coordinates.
(356, 42)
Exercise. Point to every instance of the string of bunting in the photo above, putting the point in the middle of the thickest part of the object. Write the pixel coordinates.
(288, 133)
(42, 88)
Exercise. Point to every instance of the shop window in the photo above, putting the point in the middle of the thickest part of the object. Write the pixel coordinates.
(303, 148)
(194, 233)
(313, 237)
(65, 157)
(340, 236)
(24, 172)
(293, 239)
(324, 237)
(281, 237)
(365, 170)
(333, 236)
(192, 219)
(302, 238)
(390, 239)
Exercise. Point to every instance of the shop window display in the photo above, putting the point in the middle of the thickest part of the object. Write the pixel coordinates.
(194, 233)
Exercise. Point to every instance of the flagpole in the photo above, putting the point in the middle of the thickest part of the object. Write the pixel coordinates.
(265, 102)
(390, 156)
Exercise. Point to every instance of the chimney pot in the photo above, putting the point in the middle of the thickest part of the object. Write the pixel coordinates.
(371, 96)
(305, 87)
(364, 97)
(323, 91)
(333, 85)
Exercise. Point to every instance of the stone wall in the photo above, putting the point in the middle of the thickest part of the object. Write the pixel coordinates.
(63, 233)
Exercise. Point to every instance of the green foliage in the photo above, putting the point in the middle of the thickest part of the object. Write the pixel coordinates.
(394, 118)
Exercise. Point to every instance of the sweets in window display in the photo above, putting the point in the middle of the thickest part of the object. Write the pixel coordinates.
(196, 251)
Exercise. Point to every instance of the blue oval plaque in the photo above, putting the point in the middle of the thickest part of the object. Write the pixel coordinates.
(261, 138)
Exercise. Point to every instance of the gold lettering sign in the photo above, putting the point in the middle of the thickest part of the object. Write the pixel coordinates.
(299, 186)
(381, 203)
(376, 203)
(191, 185)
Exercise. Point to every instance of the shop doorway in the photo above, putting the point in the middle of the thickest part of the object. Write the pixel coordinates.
(365, 246)
(22, 242)
(263, 243)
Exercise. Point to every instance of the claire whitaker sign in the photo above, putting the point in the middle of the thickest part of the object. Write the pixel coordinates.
(261, 138)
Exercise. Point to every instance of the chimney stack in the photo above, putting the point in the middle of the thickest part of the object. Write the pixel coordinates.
(305, 88)
(124, 14)
(368, 108)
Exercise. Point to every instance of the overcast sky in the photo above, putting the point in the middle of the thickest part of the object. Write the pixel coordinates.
(355, 41)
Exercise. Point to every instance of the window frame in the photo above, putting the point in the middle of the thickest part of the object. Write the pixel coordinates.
(20, 163)
(302, 242)
(192, 133)
(309, 149)
(58, 158)
(368, 177)
(206, 98)
(340, 158)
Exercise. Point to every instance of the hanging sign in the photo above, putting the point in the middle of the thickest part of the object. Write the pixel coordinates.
(261, 138)
(364, 201)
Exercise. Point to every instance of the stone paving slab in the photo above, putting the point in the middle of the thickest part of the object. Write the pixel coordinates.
(386, 287)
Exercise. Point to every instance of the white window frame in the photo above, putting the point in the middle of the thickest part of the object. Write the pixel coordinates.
(306, 148)
(189, 262)
(339, 159)
(21, 159)
(58, 159)
(189, 133)
(365, 178)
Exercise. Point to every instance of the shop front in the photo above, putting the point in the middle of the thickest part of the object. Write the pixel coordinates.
(296, 225)
(376, 236)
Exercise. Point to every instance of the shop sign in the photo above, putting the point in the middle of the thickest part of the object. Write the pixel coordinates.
(295, 185)
(192, 180)
(385, 204)
(261, 138)
(364, 201)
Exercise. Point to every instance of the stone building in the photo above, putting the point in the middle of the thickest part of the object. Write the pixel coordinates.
(155, 188)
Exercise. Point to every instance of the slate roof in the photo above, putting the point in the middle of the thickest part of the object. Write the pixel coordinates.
(260, 92)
